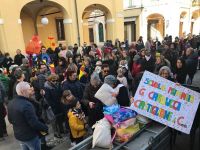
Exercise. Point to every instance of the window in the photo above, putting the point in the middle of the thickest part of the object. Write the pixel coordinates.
(60, 29)
(101, 34)
(130, 4)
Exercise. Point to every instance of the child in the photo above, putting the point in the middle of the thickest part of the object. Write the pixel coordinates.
(76, 118)
(121, 77)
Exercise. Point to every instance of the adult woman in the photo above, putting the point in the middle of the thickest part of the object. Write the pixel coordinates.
(122, 96)
(166, 73)
(160, 62)
(180, 71)
(191, 62)
(73, 84)
(95, 107)
(60, 69)
(53, 95)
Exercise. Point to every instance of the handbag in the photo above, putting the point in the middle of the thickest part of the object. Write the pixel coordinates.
(47, 113)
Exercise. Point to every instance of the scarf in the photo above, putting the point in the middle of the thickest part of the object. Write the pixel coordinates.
(78, 113)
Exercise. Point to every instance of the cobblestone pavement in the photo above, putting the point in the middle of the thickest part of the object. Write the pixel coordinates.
(182, 143)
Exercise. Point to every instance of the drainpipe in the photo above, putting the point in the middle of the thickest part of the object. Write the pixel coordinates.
(77, 22)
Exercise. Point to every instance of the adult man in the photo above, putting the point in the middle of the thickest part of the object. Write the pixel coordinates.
(43, 56)
(85, 49)
(21, 114)
(18, 58)
(105, 70)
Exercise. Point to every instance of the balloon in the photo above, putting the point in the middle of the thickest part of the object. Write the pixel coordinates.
(34, 46)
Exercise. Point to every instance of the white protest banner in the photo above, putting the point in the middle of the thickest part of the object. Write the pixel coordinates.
(166, 102)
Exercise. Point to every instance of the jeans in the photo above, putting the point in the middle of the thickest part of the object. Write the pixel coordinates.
(33, 144)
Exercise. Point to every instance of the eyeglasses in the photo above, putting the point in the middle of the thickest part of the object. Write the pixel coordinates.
(106, 70)
(54, 80)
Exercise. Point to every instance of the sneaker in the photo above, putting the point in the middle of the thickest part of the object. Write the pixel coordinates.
(73, 144)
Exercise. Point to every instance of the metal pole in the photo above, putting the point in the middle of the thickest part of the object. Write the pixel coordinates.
(77, 22)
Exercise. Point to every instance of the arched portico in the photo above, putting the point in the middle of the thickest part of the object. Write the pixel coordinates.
(195, 22)
(155, 26)
(96, 24)
(58, 28)
(181, 23)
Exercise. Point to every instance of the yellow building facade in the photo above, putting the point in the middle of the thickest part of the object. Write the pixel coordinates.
(67, 21)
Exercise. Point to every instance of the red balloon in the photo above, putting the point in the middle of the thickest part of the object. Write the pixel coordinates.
(34, 46)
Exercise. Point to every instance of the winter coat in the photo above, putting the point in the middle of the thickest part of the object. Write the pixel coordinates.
(165, 62)
(96, 113)
(41, 79)
(76, 125)
(149, 64)
(180, 75)
(60, 70)
(136, 68)
(2, 92)
(122, 97)
(53, 95)
(18, 59)
(191, 63)
(44, 57)
(21, 114)
(75, 87)
(27, 72)
(6, 81)
(7, 62)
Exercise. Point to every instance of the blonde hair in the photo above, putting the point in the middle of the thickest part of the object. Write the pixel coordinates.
(52, 77)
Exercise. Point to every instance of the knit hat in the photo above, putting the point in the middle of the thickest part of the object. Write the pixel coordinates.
(110, 80)
(157, 54)
(95, 77)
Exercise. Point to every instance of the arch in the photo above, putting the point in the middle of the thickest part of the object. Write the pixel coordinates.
(87, 10)
(155, 26)
(195, 22)
(181, 22)
(155, 16)
(43, 4)
(53, 11)
(196, 14)
(183, 14)
(101, 15)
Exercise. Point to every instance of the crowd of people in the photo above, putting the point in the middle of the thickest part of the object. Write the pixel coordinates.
(64, 81)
